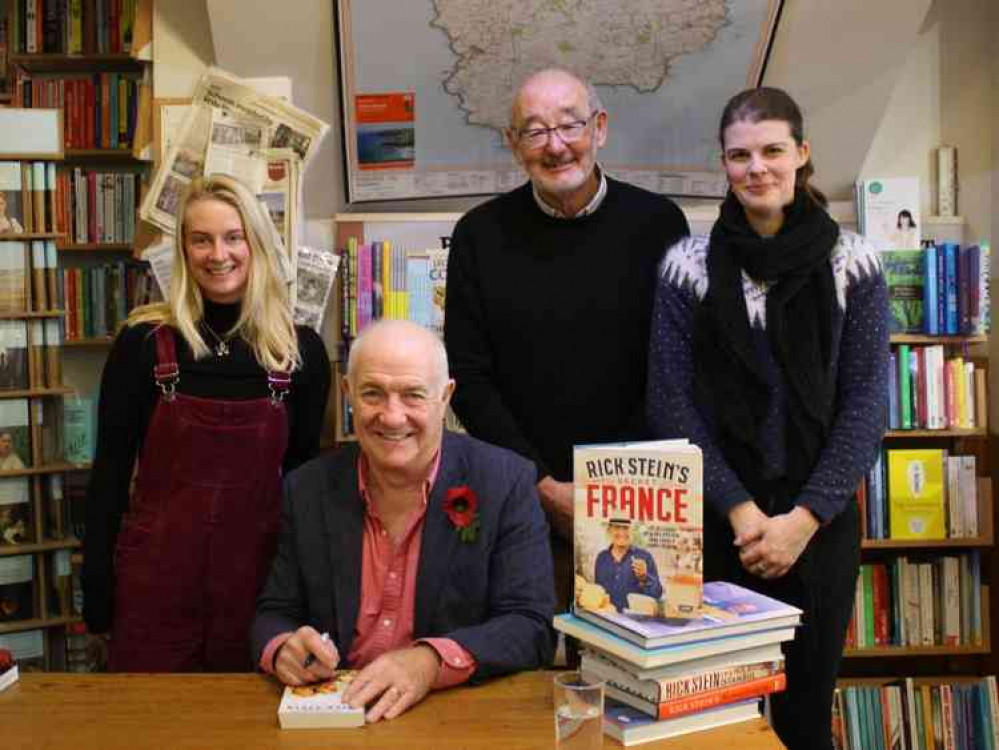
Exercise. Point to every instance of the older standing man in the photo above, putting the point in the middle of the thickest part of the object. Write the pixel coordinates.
(549, 297)
(422, 554)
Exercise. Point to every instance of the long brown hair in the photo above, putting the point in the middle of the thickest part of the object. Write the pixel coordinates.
(768, 103)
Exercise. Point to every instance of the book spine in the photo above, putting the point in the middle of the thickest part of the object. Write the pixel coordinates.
(931, 320)
(723, 696)
(951, 250)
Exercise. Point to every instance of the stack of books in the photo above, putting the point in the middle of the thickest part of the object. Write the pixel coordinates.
(676, 655)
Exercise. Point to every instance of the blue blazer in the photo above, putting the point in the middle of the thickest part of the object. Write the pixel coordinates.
(494, 596)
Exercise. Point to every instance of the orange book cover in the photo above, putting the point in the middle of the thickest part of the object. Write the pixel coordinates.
(722, 696)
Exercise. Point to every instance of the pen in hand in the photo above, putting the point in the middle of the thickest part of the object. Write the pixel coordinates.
(311, 658)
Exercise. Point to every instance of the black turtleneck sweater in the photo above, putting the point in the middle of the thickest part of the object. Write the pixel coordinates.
(127, 399)
(547, 320)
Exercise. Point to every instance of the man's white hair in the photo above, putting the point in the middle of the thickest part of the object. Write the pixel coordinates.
(409, 329)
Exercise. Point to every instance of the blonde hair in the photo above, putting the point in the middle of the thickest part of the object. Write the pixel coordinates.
(265, 321)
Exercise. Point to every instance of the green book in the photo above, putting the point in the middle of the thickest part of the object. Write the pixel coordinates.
(904, 276)
(904, 387)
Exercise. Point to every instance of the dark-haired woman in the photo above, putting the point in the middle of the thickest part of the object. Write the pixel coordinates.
(770, 350)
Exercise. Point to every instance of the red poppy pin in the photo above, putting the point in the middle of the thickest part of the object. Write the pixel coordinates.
(461, 506)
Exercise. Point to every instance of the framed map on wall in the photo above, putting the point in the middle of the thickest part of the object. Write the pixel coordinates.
(427, 85)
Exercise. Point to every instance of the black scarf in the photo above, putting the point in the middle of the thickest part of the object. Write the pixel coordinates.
(801, 307)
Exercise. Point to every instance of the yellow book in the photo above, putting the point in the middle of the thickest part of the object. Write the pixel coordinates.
(916, 494)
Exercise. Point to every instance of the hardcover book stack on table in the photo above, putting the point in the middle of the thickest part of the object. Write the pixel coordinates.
(676, 655)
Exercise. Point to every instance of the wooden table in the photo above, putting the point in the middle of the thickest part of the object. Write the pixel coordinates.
(222, 712)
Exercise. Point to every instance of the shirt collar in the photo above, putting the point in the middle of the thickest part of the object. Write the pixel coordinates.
(362, 480)
(588, 209)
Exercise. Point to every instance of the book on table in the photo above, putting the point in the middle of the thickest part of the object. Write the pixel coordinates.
(630, 726)
(650, 658)
(728, 609)
(638, 539)
(689, 687)
(319, 706)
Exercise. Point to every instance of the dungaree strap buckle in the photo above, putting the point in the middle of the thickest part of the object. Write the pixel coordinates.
(279, 384)
(166, 371)
(167, 377)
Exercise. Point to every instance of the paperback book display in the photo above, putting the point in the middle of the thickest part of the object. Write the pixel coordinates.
(319, 706)
(931, 389)
(916, 714)
(676, 655)
(925, 493)
(918, 601)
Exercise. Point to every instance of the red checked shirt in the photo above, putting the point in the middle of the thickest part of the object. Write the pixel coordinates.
(388, 594)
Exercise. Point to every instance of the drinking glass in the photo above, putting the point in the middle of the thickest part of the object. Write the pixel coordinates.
(579, 711)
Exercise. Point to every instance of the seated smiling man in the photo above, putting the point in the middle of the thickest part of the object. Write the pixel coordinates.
(422, 553)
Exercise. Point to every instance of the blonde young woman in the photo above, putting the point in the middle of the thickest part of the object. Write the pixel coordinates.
(215, 393)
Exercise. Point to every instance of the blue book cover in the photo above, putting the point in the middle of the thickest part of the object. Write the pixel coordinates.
(650, 658)
(931, 291)
(941, 290)
(950, 267)
(630, 726)
(728, 610)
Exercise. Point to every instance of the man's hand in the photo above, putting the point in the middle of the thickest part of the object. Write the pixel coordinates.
(779, 545)
(640, 568)
(289, 666)
(398, 680)
(557, 499)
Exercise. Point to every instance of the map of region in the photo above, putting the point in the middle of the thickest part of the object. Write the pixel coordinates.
(499, 42)
(427, 86)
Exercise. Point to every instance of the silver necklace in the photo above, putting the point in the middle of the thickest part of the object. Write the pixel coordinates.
(221, 348)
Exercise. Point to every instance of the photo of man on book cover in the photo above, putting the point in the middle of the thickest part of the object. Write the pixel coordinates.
(637, 531)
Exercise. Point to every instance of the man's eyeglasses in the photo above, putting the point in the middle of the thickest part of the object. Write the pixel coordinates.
(568, 132)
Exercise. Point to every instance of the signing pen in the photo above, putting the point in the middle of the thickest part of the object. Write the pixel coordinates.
(311, 658)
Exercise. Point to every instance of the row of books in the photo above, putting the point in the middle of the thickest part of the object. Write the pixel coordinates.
(97, 206)
(72, 27)
(26, 192)
(383, 280)
(923, 493)
(20, 597)
(930, 391)
(915, 602)
(100, 110)
(98, 299)
(941, 289)
(24, 366)
(22, 289)
(903, 714)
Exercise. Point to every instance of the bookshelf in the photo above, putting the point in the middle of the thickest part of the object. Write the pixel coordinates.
(96, 72)
(37, 539)
(959, 641)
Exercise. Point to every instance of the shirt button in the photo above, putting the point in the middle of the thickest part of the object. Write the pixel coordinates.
(392, 575)
(459, 662)
(384, 533)
(387, 623)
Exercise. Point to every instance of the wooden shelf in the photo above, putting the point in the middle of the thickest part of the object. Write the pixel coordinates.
(936, 544)
(25, 314)
(977, 432)
(36, 392)
(102, 247)
(123, 154)
(12, 550)
(880, 651)
(18, 626)
(918, 338)
(19, 236)
(58, 467)
(92, 342)
(46, 62)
